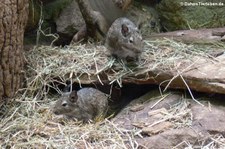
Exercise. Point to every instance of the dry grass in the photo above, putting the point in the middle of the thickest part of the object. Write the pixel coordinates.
(179, 114)
(214, 142)
(90, 63)
(29, 123)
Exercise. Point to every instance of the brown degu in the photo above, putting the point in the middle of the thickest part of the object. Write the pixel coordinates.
(124, 40)
(83, 105)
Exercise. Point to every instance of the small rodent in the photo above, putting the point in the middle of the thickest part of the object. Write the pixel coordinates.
(83, 105)
(124, 40)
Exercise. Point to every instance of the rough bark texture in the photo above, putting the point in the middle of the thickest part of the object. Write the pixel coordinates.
(86, 12)
(13, 18)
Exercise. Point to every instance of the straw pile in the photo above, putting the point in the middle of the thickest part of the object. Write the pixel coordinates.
(90, 63)
(30, 124)
(28, 121)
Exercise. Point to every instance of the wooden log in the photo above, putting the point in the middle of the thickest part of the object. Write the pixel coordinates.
(203, 75)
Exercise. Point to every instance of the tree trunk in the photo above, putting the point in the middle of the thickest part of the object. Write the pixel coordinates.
(13, 15)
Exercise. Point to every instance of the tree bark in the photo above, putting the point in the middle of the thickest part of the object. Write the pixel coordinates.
(86, 12)
(13, 16)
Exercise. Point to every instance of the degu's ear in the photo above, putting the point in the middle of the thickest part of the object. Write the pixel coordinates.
(73, 96)
(124, 30)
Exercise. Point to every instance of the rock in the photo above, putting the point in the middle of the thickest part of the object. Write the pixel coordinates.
(210, 119)
(52, 10)
(130, 117)
(137, 107)
(146, 18)
(207, 121)
(157, 112)
(196, 75)
(170, 139)
(161, 127)
(171, 121)
(193, 36)
(43, 14)
(70, 20)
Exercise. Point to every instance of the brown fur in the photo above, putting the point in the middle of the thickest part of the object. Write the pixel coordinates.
(84, 105)
(123, 40)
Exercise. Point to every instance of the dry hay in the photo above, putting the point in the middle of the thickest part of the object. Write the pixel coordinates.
(28, 121)
(179, 114)
(90, 63)
(30, 124)
(214, 142)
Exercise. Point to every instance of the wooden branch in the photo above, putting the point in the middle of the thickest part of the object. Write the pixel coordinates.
(86, 12)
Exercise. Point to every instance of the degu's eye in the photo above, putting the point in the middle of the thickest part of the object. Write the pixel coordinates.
(64, 104)
(131, 40)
